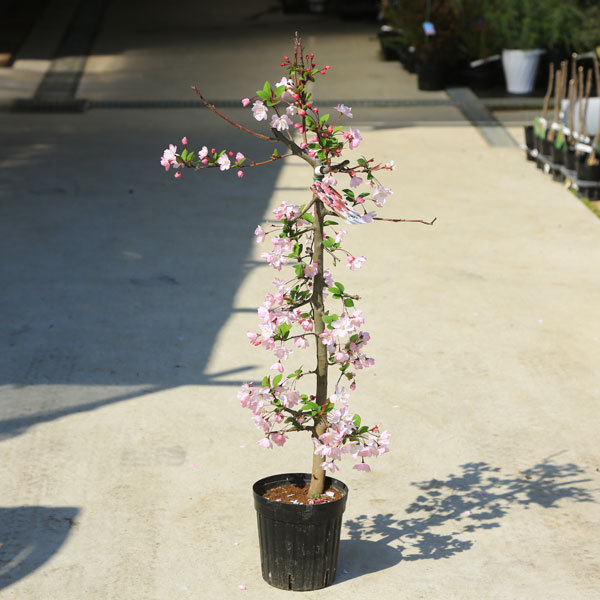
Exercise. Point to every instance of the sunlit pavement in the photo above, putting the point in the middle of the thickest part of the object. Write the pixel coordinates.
(126, 462)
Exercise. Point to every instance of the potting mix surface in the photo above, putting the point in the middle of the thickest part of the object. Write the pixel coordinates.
(293, 494)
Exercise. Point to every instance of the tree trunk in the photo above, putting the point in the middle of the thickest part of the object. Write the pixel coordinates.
(317, 482)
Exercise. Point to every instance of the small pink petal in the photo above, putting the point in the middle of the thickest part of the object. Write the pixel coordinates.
(184, 141)
(241, 587)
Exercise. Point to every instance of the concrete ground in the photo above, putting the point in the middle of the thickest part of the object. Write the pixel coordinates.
(126, 461)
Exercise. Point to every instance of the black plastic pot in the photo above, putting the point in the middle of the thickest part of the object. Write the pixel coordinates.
(298, 543)
(558, 159)
(544, 147)
(392, 44)
(589, 174)
(569, 158)
(529, 140)
(430, 76)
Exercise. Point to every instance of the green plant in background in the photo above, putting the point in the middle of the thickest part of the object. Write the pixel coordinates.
(408, 17)
(475, 36)
(550, 24)
(515, 24)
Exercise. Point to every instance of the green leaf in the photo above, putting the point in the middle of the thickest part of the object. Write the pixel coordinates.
(184, 154)
(310, 122)
(323, 118)
(348, 302)
(284, 330)
(312, 406)
(299, 269)
(333, 290)
(329, 318)
(267, 88)
(362, 430)
(308, 218)
(356, 420)
(265, 381)
(329, 242)
(339, 286)
(354, 338)
(262, 95)
(326, 223)
(275, 152)
(277, 379)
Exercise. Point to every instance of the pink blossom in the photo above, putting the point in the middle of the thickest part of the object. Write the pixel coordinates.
(291, 111)
(355, 262)
(306, 324)
(301, 342)
(381, 193)
(278, 438)
(224, 162)
(327, 278)
(239, 156)
(260, 235)
(354, 138)
(340, 357)
(362, 467)
(355, 181)
(344, 110)
(184, 140)
(203, 153)
(259, 110)
(240, 174)
(329, 466)
(277, 367)
(169, 157)
(177, 175)
(280, 123)
(245, 102)
(265, 443)
(327, 338)
(329, 180)
(252, 336)
(311, 270)
(340, 235)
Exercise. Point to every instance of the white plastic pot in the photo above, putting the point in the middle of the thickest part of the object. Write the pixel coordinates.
(592, 116)
(520, 68)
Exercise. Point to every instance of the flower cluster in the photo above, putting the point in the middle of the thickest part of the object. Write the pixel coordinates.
(293, 315)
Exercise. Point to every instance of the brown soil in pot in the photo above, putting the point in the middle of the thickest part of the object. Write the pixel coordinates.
(293, 494)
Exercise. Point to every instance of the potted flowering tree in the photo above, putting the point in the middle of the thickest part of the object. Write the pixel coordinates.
(299, 514)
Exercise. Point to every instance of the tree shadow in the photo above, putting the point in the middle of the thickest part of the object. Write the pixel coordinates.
(447, 511)
(118, 284)
(29, 537)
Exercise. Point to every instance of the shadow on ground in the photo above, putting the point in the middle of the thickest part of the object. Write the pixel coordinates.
(30, 536)
(118, 277)
(442, 517)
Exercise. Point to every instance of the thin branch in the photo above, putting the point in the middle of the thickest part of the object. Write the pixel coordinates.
(218, 112)
(406, 220)
(295, 149)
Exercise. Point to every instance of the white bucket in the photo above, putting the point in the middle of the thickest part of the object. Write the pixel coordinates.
(592, 116)
(520, 68)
